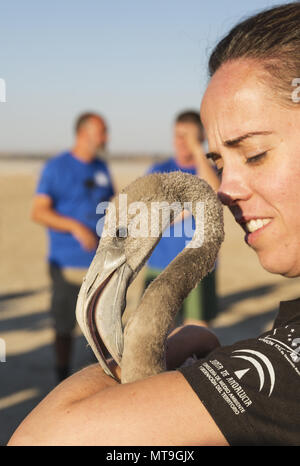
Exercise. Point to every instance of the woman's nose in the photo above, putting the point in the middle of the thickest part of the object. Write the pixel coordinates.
(233, 188)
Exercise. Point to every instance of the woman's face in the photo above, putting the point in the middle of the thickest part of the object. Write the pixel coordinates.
(255, 142)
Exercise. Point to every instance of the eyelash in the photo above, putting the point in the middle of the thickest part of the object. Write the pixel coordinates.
(255, 158)
(219, 171)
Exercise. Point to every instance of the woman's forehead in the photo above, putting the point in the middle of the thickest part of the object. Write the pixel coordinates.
(236, 100)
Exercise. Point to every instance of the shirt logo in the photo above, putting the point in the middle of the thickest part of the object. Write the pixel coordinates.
(295, 354)
(292, 351)
(256, 362)
(284, 340)
(101, 179)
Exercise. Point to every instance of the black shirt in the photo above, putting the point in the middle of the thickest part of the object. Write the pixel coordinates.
(252, 388)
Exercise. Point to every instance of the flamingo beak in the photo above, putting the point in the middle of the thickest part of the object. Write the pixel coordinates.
(101, 303)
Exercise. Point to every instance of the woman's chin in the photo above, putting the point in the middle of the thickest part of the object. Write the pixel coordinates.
(281, 266)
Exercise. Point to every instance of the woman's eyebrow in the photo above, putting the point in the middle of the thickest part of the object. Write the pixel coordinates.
(236, 141)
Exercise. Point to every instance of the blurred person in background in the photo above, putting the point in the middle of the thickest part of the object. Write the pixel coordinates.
(201, 305)
(71, 186)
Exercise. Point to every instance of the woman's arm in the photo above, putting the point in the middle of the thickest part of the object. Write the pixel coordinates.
(90, 408)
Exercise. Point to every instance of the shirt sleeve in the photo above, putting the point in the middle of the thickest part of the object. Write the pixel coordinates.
(251, 390)
(46, 183)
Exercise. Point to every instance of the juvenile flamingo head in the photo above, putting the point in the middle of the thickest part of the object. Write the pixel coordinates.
(129, 236)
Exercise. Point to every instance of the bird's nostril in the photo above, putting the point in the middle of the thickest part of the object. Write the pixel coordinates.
(121, 232)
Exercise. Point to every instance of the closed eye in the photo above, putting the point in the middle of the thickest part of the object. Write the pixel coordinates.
(250, 160)
(216, 160)
(219, 170)
(256, 158)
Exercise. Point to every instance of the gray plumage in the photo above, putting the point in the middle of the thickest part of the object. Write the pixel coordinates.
(146, 330)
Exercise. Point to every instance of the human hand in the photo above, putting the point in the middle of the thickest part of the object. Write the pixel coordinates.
(189, 341)
(84, 236)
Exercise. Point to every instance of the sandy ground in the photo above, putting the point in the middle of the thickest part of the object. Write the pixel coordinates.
(248, 295)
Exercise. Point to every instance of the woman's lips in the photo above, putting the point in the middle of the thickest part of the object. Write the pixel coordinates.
(254, 227)
(256, 224)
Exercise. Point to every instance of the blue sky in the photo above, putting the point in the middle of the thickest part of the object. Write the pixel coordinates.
(138, 62)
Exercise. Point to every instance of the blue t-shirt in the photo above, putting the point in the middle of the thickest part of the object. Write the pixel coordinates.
(176, 237)
(76, 188)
